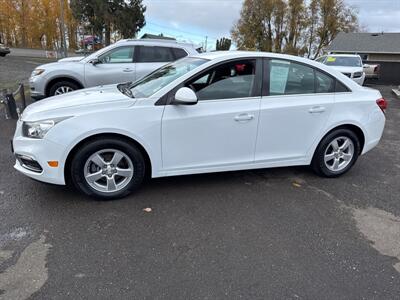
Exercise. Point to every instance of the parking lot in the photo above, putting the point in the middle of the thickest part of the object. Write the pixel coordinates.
(271, 233)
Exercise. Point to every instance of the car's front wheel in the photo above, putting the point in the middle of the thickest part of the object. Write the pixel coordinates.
(108, 168)
(63, 87)
(336, 153)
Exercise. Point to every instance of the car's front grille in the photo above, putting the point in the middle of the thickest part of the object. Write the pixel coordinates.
(347, 74)
(29, 163)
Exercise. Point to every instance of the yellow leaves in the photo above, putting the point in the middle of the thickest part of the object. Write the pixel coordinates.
(27, 23)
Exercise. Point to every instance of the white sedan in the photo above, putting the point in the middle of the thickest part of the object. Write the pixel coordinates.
(212, 112)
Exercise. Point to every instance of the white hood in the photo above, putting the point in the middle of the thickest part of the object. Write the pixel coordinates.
(78, 102)
(71, 59)
(343, 69)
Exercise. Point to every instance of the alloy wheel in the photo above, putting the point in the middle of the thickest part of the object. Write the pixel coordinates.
(339, 154)
(63, 90)
(108, 170)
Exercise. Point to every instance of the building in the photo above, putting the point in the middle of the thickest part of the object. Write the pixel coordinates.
(157, 37)
(370, 46)
(374, 48)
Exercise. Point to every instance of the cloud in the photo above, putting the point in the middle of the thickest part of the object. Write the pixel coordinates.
(378, 15)
(195, 19)
(213, 18)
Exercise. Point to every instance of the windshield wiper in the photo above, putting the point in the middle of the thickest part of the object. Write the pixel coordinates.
(124, 89)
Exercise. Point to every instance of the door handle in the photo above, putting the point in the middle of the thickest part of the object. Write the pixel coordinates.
(128, 70)
(316, 110)
(244, 117)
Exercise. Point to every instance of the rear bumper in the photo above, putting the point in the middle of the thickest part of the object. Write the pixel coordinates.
(374, 130)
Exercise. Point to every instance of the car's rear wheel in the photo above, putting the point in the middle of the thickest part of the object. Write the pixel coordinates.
(63, 87)
(108, 169)
(336, 153)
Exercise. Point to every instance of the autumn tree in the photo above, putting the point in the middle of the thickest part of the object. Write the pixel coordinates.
(124, 17)
(292, 26)
(28, 23)
(223, 44)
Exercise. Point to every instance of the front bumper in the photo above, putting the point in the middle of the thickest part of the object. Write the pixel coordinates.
(41, 151)
(37, 85)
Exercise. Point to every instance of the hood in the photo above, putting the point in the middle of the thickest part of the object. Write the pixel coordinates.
(78, 102)
(347, 69)
(71, 59)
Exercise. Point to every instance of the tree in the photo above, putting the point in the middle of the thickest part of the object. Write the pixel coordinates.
(223, 44)
(26, 23)
(124, 17)
(292, 26)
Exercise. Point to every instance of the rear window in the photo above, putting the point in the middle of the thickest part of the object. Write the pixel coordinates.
(155, 54)
(340, 87)
(179, 53)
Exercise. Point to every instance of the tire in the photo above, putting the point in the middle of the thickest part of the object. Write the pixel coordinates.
(333, 160)
(2, 54)
(84, 169)
(68, 86)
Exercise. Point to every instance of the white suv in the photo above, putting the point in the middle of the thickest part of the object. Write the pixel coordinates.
(124, 61)
(348, 64)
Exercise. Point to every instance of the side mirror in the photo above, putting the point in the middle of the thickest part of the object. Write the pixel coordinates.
(95, 61)
(185, 96)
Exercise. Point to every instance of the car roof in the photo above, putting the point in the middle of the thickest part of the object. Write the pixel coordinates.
(156, 42)
(232, 54)
(343, 55)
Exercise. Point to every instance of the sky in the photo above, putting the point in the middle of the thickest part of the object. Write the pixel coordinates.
(194, 20)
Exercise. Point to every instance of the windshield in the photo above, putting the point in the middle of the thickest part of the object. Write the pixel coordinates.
(344, 61)
(160, 78)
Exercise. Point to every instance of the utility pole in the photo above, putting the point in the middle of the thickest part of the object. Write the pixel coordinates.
(205, 45)
(63, 39)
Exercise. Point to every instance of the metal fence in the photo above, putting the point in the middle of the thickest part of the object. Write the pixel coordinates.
(12, 109)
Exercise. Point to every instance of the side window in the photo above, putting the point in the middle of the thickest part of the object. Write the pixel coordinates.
(320, 59)
(179, 53)
(230, 80)
(155, 54)
(118, 56)
(324, 83)
(340, 87)
(288, 78)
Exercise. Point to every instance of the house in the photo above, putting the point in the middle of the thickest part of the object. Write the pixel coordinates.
(370, 46)
(157, 37)
(374, 48)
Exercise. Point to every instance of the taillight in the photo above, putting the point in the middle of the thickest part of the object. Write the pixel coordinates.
(382, 103)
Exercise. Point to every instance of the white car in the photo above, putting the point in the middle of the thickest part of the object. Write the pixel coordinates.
(349, 65)
(126, 60)
(213, 112)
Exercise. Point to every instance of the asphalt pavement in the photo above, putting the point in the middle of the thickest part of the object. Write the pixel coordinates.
(266, 234)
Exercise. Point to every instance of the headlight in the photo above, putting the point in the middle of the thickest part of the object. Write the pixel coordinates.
(38, 129)
(357, 74)
(37, 72)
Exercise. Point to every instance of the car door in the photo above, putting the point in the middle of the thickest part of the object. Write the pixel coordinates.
(115, 66)
(220, 130)
(296, 104)
(150, 58)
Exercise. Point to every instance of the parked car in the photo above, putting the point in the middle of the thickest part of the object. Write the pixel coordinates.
(349, 65)
(213, 112)
(372, 71)
(126, 60)
(4, 50)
